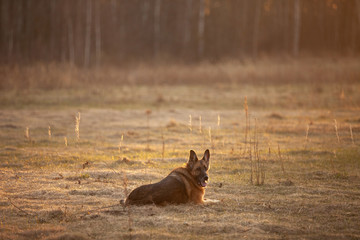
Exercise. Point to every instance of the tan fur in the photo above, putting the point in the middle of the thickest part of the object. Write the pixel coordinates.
(193, 190)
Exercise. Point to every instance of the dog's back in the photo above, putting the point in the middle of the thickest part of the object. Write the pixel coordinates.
(168, 190)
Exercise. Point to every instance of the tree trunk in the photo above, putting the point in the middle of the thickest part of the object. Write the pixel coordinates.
(187, 24)
(97, 34)
(6, 28)
(114, 11)
(145, 12)
(243, 25)
(283, 23)
(201, 29)
(64, 38)
(53, 30)
(354, 27)
(70, 29)
(88, 34)
(358, 10)
(157, 9)
(297, 27)
(17, 39)
(257, 16)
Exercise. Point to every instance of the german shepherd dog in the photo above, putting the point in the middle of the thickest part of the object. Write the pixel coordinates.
(182, 185)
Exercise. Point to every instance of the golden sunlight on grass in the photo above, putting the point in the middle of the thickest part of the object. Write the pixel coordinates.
(86, 174)
(284, 157)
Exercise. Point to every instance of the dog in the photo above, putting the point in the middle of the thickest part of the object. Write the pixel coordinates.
(182, 185)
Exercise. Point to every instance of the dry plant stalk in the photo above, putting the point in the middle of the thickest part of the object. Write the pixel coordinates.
(66, 141)
(307, 134)
(190, 129)
(351, 135)
(77, 126)
(20, 209)
(218, 127)
(247, 122)
(263, 168)
(256, 159)
(49, 133)
(262, 172)
(258, 170)
(190, 124)
(163, 144)
(121, 143)
(210, 137)
(259, 165)
(200, 130)
(342, 94)
(281, 160)
(247, 130)
(336, 130)
(256, 139)
(250, 156)
(148, 113)
(27, 134)
(333, 162)
(125, 184)
(255, 167)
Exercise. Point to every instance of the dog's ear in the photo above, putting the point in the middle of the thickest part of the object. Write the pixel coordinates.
(192, 159)
(207, 158)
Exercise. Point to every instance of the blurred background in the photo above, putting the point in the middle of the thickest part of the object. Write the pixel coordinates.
(83, 34)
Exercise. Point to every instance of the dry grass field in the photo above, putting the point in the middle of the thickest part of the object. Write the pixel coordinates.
(62, 174)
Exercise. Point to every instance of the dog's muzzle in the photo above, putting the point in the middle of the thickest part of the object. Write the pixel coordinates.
(204, 181)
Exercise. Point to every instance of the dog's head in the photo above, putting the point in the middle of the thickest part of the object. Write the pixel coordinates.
(199, 168)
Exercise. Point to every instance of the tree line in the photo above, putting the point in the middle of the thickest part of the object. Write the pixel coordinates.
(94, 32)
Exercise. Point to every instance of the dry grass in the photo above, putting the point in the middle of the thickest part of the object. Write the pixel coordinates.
(274, 71)
(53, 190)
